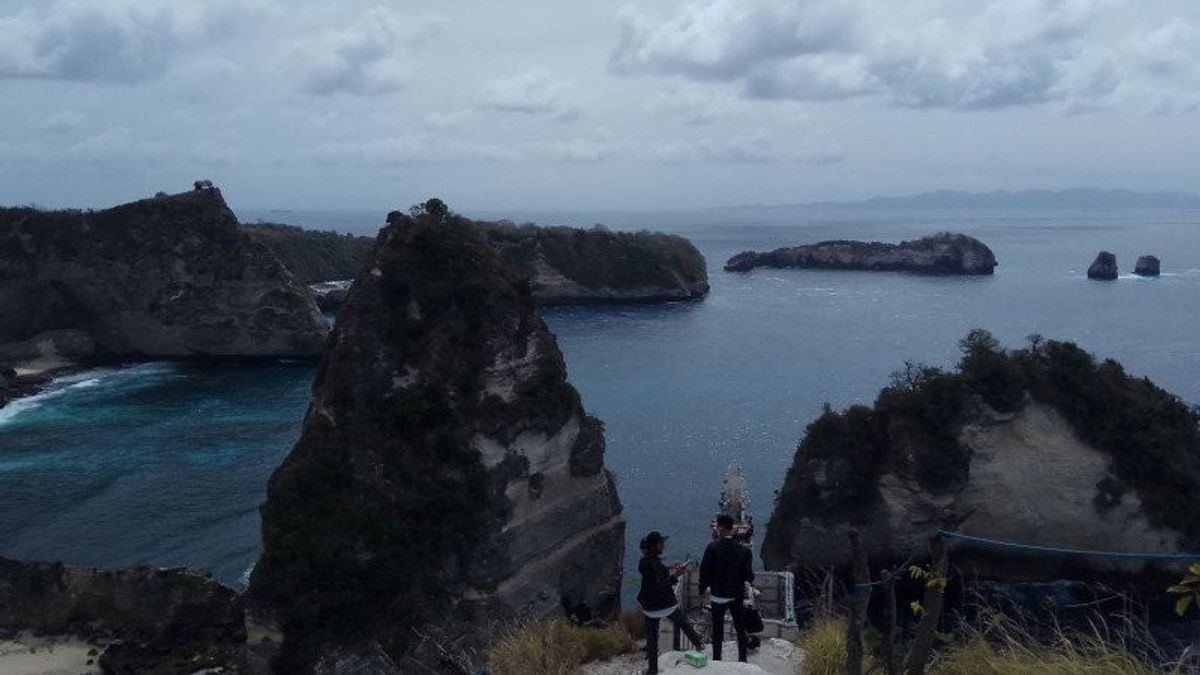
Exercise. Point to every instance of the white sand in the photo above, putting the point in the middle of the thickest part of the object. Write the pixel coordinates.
(774, 657)
(28, 655)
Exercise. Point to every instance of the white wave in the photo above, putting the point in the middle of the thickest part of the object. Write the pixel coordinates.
(14, 408)
(73, 382)
(245, 578)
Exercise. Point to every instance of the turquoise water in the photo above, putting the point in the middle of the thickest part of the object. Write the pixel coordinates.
(167, 464)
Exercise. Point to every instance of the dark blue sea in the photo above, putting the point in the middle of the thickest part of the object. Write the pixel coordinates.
(167, 464)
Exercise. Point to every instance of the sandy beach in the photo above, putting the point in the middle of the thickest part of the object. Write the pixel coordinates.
(62, 655)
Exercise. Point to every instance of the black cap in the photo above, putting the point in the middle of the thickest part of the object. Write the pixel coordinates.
(654, 537)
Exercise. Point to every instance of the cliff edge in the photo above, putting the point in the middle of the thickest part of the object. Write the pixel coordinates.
(447, 479)
(946, 253)
(1042, 445)
(167, 277)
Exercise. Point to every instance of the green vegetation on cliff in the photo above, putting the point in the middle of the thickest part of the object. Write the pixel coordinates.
(313, 255)
(388, 518)
(603, 262)
(1150, 436)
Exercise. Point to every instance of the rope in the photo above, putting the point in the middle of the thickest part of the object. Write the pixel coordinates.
(1059, 550)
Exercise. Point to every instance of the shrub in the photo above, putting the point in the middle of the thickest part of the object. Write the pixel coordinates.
(556, 647)
(824, 645)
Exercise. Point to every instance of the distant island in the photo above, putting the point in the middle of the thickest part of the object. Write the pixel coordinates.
(945, 253)
(1072, 198)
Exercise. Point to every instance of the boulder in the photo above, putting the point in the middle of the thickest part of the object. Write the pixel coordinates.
(167, 277)
(1104, 267)
(158, 621)
(1147, 266)
(447, 480)
(944, 254)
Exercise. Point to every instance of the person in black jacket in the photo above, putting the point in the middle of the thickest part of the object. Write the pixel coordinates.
(725, 569)
(657, 596)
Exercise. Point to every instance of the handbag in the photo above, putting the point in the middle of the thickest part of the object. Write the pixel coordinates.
(754, 622)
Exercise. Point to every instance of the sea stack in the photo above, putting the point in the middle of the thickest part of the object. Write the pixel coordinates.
(1147, 266)
(447, 480)
(944, 254)
(167, 277)
(1104, 267)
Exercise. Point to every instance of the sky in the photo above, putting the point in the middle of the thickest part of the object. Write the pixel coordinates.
(592, 104)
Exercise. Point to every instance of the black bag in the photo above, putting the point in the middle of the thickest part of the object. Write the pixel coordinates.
(754, 622)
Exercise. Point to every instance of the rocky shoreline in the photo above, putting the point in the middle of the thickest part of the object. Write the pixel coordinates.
(941, 254)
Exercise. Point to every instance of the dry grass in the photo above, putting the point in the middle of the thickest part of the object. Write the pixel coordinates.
(824, 645)
(998, 644)
(556, 647)
(995, 643)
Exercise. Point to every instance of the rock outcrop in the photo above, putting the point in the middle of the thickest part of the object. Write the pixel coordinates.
(946, 254)
(1148, 266)
(168, 277)
(1104, 267)
(1039, 446)
(153, 621)
(447, 479)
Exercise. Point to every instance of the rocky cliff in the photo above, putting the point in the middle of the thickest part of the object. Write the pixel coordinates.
(567, 265)
(1042, 445)
(939, 254)
(148, 621)
(172, 276)
(447, 479)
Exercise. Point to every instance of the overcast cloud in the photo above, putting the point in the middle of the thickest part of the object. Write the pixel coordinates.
(604, 104)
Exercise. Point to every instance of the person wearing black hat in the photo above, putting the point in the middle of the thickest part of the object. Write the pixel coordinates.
(726, 568)
(657, 596)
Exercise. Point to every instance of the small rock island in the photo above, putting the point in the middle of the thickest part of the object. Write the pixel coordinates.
(1148, 266)
(941, 254)
(1104, 267)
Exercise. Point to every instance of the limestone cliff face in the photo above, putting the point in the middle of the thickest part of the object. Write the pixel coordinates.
(951, 254)
(171, 276)
(571, 266)
(1081, 456)
(447, 479)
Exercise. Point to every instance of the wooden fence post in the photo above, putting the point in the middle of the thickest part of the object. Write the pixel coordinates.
(887, 651)
(859, 599)
(935, 588)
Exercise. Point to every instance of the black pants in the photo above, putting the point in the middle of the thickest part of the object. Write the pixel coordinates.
(737, 612)
(679, 619)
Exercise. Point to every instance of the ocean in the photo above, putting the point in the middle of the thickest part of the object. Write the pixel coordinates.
(167, 464)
